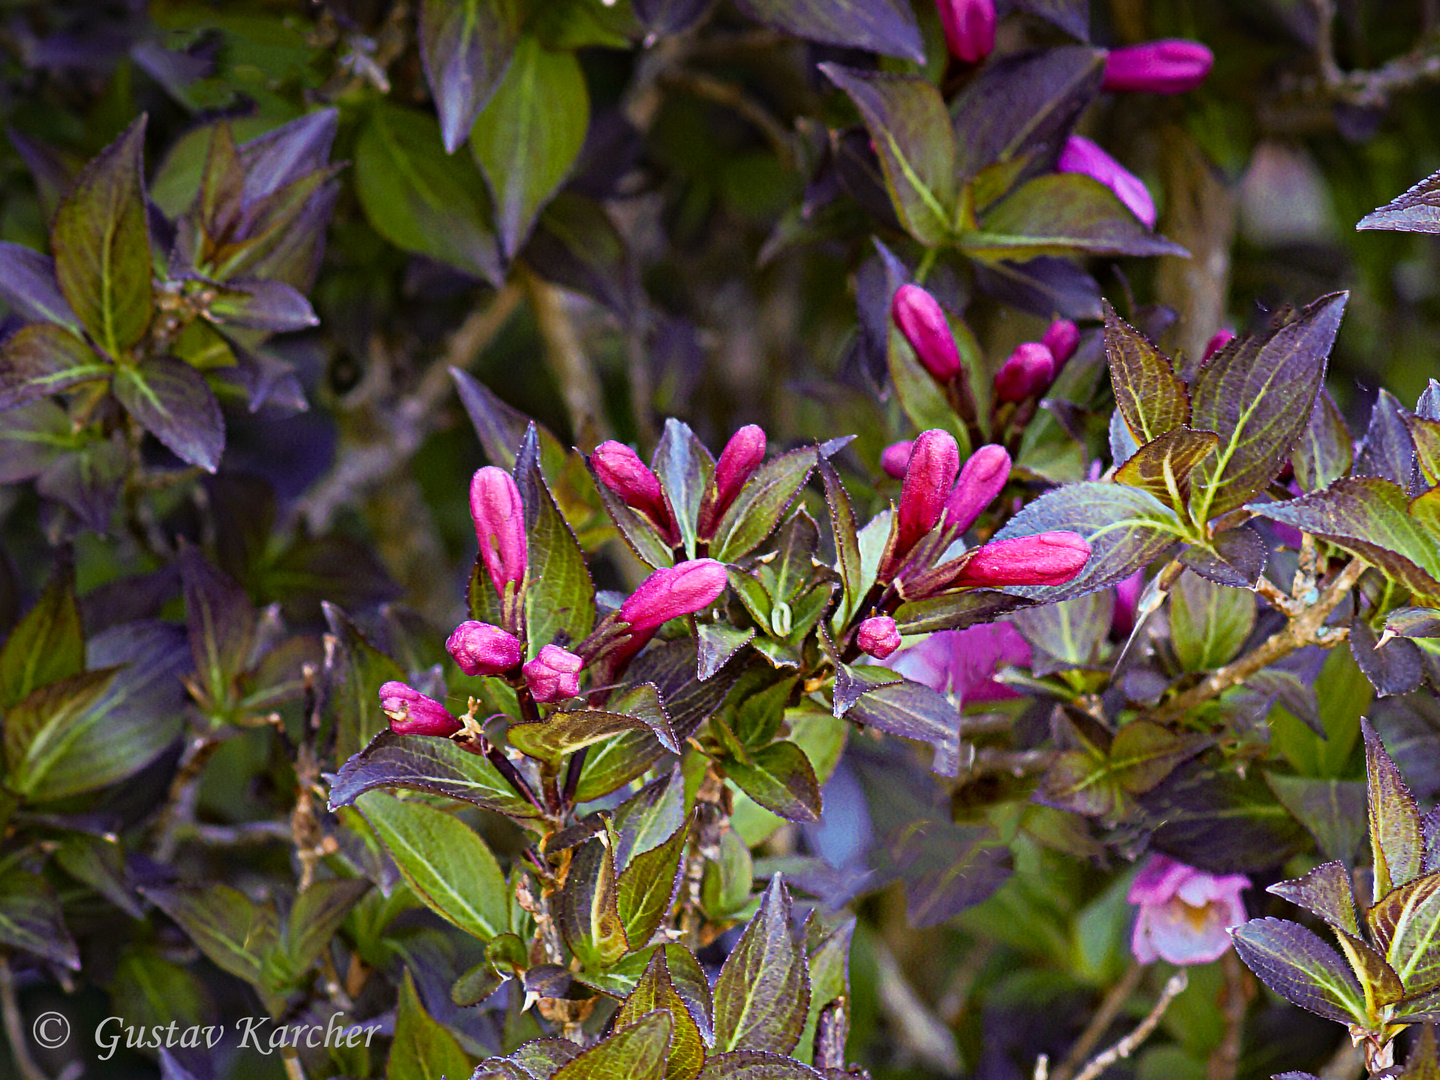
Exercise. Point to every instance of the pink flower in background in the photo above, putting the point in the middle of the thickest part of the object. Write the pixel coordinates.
(969, 28)
(1158, 67)
(1184, 913)
(963, 662)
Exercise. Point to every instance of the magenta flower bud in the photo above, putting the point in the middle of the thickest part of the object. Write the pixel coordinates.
(1061, 339)
(621, 470)
(895, 457)
(922, 320)
(672, 591)
(742, 455)
(969, 28)
(499, 526)
(412, 713)
(1158, 67)
(934, 463)
(1127, 602)
(878, 636)
(980, 481)
(554, 674)
(1029, 370)
(1085, 157)
(1048, 558)
(482, 649)
(1222, 338)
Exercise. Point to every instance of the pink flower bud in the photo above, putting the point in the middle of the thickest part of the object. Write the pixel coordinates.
(980, 481)
(878, 636)
(1048, 558)
(969, 28)
(1159, 67)
(499, 526)
(934, 462)
(672, 591)
(1127, 602)
(482, 649)
(1029, 370)
(1061, 339)
(412, 713)
(895, 457)
(922, 321)
(1085, 157)
(742, 455)
(1222, 338)
(621, 470)
(554, 674)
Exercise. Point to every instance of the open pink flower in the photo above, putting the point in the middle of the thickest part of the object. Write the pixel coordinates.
(1184, 912)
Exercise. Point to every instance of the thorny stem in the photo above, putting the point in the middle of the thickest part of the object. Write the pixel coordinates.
(1307, 628)
(1105, 1015)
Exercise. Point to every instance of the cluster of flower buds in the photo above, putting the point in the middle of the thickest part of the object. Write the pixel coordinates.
(1031, 368)
(1080, 155)
(1158, 67)
(969, 28)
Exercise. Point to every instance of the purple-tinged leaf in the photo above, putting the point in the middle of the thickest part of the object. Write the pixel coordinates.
(43, 359)
(648, 886)
(565, 732)
(1069, 634)
(1301, 968)
(947, 868)
(1072, 16)
(1235, 558)
(221, 623)
(1062, 214)
(47, 644)
(1396, 843)
(52, 169)
(1221, 822)
(637, 1052)
(1257, 394)
(31, 919)
(1406, 924)
(1325, 891)
(1371, 518)
(915, 711)
(428, 764)
(88, 481)
(1325, 450)
(882, 26)
(1025, 105)
(1427, 406)
(466, 46)
(262, 305)
(1425, 434)
(956, 610)
(1387, 451)
(587, 908)
(669, 16)
(27, 284)
(1413, 622)
(1163, 466)
(279, 157)
(102, 245)
(559, 595)
(763, 994)
(172, 401)
(577, 245)
(906, 119)
(1378, 978)
(1046, 287)
(1151, 398)
(32, 438)
(716, 644)
(1417, 210)
(1332, 810)
(1430, 831)
(655, 990)
(780, 778)
(686, 470)
(756, 1065)
(1126, 528)
(1392, 668)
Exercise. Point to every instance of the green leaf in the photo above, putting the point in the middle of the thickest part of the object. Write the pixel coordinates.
(1208, 622)
(780, 778)
(423, 1048)
(425, 763)
(466, 46)
(829, 949)
(762, 997)
(1425, 434)
(1257, 394)
(648, 886)
(910, 130)
(230, 928)
(847, 542)
(686, 472)
(443, 861)
(1226, 822)
(648, 818)
(920, 397)
(1396, 843)
(565, 732)
(31, 919)
(43, 359)
(1151, 398)
(587, 908)
(101, 241)
(1069, 634)
(1413, 622)
(1125, 527)
(914, 711)
(761, 503)
(1062, 214)
(613, 763)
(882, 26)
(559, 596)
(1332, 810)
(48, 644)
(221, 623)
(1325, 450)
(1406, 924)
(36, 726)
(1164, 465)
(356, 672)
(725, 888)
(421, 200)
(172, 401)
(99, 861)
(636, 1052)
(655, 991)
(1301, 968)
(1368, 517)
(757, 1065)
(1325, 891)
(527, 138)
(315, 917)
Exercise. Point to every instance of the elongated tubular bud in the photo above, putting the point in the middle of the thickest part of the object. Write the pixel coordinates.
(743, 454)
(672, 591)
(896, 457)
(969, 28)
(922, 320)
(412, 713)
(1222, 338)
(499, 517)
(981, 479)
(621, 470)
(1048, 558)
(1026, 373)
(1061, 339)
(929, 477)
(482, 649)
(1171, 66)
(1080, 155)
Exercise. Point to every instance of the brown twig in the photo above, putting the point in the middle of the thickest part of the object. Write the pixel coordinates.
(1372, 88)
(1130, 1043)
(1224, 1060)
(1105, 1015)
